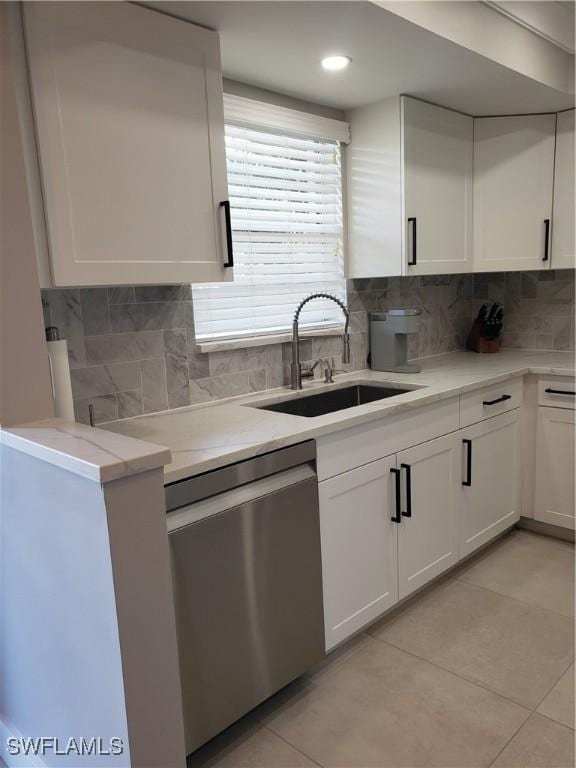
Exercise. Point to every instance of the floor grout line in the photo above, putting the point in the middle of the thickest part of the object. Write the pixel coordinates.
(551, 689)
(529, 712)
(509, 597)
(294, 747)
(459, 676)
(552, 720)
(448, 579)
(362, 639)
(516, 732)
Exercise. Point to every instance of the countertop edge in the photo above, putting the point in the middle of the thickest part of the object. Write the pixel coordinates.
(92, 453)
(379, 409)
(102, 456)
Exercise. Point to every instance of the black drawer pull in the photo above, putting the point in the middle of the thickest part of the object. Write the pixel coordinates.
(468, 481)
(546, 240)
(498, 400)
(412, 262)
(408, 512)
(226, 205)
(560, 392)
(397, 518)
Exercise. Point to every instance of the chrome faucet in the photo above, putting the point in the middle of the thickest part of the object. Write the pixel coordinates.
(296, 367)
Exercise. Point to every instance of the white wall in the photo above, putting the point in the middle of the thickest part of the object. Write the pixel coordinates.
(87, 631)
(25, 391)
(60, 662)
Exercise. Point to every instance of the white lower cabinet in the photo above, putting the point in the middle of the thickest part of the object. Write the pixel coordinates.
(387, 528)
(428, 533)
(391, 525)
(359, 548)
(490, 479)
(554, 493)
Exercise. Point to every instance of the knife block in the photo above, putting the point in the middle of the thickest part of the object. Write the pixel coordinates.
(477, 343)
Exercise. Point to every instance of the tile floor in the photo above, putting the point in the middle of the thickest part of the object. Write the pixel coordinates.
(476, 671)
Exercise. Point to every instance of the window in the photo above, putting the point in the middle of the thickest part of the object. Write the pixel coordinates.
(285, 191)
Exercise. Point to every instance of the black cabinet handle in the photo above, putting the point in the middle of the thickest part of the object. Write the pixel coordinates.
(397, 491)
(408, 512)
(560, 392)
(546, 240)
(412, 262)
(226, 205)
(468, 481)
(498, 400)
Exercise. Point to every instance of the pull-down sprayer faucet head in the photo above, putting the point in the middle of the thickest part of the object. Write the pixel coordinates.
(346, 347)
(295, 372)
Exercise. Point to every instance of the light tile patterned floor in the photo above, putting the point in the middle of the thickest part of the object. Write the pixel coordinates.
(476, 671)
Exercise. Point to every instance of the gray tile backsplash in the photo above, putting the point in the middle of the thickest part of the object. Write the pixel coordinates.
(132, 348)
(539, 307)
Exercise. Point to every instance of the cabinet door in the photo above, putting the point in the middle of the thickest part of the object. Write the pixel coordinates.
(491, 474)
(513, 178)
(359, 548)
(428, 535)
(438, 151)
(374, 183)
(563, 249)
(554, 496)
(129, 116)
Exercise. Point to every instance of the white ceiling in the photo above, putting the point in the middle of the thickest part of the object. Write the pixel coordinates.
(552, 20)
(278, 46)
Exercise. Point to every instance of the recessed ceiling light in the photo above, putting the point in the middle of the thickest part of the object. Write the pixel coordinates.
(334, 63)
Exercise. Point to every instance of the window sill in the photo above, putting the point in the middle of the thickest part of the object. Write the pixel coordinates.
(264, 340)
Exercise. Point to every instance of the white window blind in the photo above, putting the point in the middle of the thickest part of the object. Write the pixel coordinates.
(286, 208)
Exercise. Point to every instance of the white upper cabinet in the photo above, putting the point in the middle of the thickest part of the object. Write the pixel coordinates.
(409, 189)
(438, 152)
(374, 190)
(563, 249)
(513, 181)
(130, 131)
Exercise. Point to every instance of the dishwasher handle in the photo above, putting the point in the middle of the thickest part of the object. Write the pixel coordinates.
(222, 502)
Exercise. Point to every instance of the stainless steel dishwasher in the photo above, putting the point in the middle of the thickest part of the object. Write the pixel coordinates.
(246, 563)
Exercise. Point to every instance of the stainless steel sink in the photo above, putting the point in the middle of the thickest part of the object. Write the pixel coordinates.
(333, 400)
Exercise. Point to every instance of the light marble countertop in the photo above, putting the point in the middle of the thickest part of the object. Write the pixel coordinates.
(207, 436)
(92, 453)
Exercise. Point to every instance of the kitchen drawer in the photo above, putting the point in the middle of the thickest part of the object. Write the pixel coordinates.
(557, 391)
(490, 401)
(350, 448)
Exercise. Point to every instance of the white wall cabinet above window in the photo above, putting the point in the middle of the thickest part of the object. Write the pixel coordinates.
(563, 250)
(409, 189)
(130, 133)
(513, 182)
